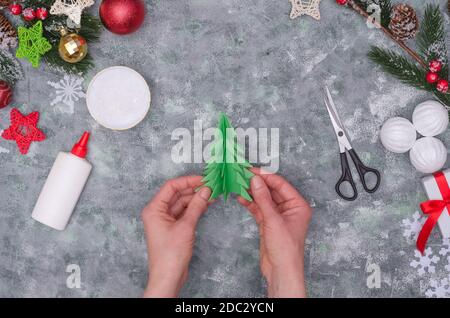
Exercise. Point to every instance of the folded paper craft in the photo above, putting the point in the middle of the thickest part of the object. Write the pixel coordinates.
(227, 170)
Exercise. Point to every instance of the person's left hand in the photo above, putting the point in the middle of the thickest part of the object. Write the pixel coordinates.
(170, 220)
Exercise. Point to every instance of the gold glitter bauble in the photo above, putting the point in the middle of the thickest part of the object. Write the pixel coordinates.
(72, 47)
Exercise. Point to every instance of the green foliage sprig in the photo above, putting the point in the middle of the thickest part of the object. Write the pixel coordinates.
(10, 69)
(385, 7)
(91, 28)
(430, 43)
(431, 46)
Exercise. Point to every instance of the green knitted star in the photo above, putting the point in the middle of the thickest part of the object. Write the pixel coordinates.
(32, 45)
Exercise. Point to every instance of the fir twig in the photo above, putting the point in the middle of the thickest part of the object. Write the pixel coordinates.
(354, 4)
(385, 8)
(407, 72)
(91, 28)
(400, 67)
(10, 69)
(430, 42)
(431, 38)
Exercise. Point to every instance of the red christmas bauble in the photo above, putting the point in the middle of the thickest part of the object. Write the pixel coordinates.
(5, 94)
(342, 2)
(41, 13)
(432, 77)
(435, 66)
(29, 14)
(442, 86)
(122, 16)
(15, 8)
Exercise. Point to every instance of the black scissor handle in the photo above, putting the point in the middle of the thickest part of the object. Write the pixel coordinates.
(363, 171)
(346, 177)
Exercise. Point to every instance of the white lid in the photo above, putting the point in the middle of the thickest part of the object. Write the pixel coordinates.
(118, 98)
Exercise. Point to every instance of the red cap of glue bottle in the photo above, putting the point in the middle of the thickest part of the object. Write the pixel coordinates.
(80, 149)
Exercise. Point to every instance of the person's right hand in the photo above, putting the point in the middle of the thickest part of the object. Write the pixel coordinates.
(283, 217)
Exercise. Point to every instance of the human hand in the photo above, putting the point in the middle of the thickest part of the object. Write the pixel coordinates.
(283, 216)
(170, 219)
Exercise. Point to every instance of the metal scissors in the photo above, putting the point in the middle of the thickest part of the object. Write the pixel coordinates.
(344, 147)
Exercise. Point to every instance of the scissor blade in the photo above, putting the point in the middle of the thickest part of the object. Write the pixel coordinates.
(332, 108)
(336, 126)
(341, 136)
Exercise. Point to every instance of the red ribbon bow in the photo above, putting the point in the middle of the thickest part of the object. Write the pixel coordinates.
(434, 209)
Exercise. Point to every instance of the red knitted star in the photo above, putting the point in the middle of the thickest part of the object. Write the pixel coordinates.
(23, 130)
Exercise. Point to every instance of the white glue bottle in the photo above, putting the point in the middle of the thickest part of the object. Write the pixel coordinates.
(63, 187)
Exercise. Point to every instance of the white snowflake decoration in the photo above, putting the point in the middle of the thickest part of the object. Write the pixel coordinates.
(444, 251)
(3, 150)
(447, 267)
(308, 7)
(10, 68)
(446, 247)
(72, 8)
(425, 263)
(439, 289)
(412, 226)
(68, 90)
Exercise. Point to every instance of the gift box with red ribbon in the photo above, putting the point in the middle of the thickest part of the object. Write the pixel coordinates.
(437, 208)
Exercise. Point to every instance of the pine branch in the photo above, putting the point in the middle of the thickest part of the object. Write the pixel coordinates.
(399, 67)
(10, 69)
(431, 38)
(354, 4)
(385, 9)
(91, 28)
(444, 98)
(406, 71)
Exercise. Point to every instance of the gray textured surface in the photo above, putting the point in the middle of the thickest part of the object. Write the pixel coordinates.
(248, 59)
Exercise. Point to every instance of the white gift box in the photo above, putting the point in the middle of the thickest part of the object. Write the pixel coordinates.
(433, 193)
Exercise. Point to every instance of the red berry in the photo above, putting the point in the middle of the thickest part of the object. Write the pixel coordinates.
(41, 13)
(342, 2)
(15, 8)
(435, 66)
(29, 14)
(442, 86)
(432, 77)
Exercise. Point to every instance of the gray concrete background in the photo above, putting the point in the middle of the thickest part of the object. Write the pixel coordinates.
(200, 57)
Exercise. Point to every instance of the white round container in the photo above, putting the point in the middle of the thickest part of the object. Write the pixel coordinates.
(118, 98)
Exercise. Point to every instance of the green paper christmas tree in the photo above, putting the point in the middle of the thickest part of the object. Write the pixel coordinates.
(227, 170)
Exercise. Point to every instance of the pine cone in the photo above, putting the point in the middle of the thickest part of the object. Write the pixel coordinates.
(5, 3)
(404, 22)
(8, 34)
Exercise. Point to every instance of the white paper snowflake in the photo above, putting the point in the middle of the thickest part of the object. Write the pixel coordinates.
(72, 8)
(447, 267)
(412, 226)
(424, 263)
(439, 289)
(445, 249)
(308, 7)
(3, 150)
(68, 90)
